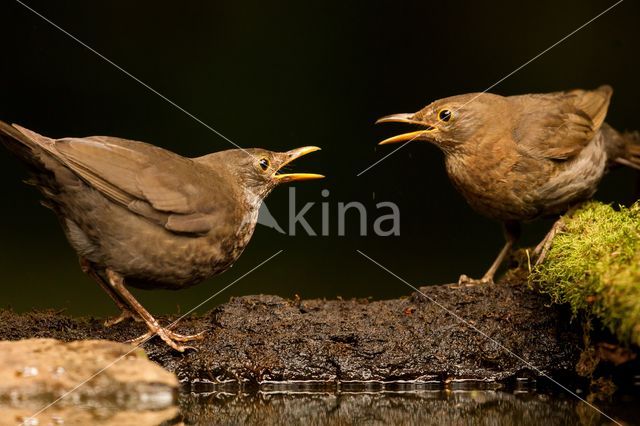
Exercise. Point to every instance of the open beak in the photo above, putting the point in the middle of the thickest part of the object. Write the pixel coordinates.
(290, 156)
(408, 119)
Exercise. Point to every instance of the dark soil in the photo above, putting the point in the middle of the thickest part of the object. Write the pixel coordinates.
(254, 339)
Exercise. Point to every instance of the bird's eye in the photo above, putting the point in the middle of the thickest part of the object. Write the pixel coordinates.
(444, 115)
(264, 164)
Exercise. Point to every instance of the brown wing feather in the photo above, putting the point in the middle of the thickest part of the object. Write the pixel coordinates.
(559, 125)
(155, 183)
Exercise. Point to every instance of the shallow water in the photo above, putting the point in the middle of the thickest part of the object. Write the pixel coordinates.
(413, 406)
(311, 404)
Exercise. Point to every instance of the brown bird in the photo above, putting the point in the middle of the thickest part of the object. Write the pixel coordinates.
(142, 216)
(518, 158)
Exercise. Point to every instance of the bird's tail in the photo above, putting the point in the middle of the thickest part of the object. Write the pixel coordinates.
(631, 156)
(15, 141)
(24, 143)
(9, 135)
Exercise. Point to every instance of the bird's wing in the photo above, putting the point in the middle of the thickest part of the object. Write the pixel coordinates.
(164, 187)
(559, 125)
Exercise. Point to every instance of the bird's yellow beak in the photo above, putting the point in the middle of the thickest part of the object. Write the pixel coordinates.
(408, 119)
(290, 156)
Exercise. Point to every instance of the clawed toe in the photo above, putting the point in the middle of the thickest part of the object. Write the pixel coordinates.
(465, 281)
(170, 338)
(542, 249)
(185, 337)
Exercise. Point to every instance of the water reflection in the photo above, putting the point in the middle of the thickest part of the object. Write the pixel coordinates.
(424, 407)
(86, 413)
(310, 405)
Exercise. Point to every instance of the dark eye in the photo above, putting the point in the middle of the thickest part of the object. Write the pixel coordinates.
(444, 115)
(264, 164)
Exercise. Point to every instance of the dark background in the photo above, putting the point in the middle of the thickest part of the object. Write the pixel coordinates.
(280, 75)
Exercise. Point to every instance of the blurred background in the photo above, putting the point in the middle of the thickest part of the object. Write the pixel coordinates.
(280, 75)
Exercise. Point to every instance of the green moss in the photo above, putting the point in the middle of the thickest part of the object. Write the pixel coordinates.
(594, 265)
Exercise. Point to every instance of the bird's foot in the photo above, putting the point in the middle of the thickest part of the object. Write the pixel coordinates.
(124, 315)
(465, 281)
(169, 337)
(542, 249)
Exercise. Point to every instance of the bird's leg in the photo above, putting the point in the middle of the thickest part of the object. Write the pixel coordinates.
(126, 313)
(117, 283)
(541, 250)
(511, 234)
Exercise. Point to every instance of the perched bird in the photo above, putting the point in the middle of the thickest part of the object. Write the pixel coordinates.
(141, 216)
(518, 158)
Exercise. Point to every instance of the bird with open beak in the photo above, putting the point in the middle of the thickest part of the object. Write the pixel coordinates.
(518, 158)
(141, 216)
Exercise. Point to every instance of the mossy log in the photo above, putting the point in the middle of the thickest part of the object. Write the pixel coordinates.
(265, 339)
(594, 266)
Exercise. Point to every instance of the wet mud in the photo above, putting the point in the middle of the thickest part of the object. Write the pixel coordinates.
(482, 333)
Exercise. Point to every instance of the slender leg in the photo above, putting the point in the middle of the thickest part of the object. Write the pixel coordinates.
(126, 312)
(117, 283)
(541, 250)
(511, 234)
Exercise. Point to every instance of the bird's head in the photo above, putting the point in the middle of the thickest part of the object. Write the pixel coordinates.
(259, 170)
(450, 122)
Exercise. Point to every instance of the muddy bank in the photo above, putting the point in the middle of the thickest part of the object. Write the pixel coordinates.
(257, 339)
